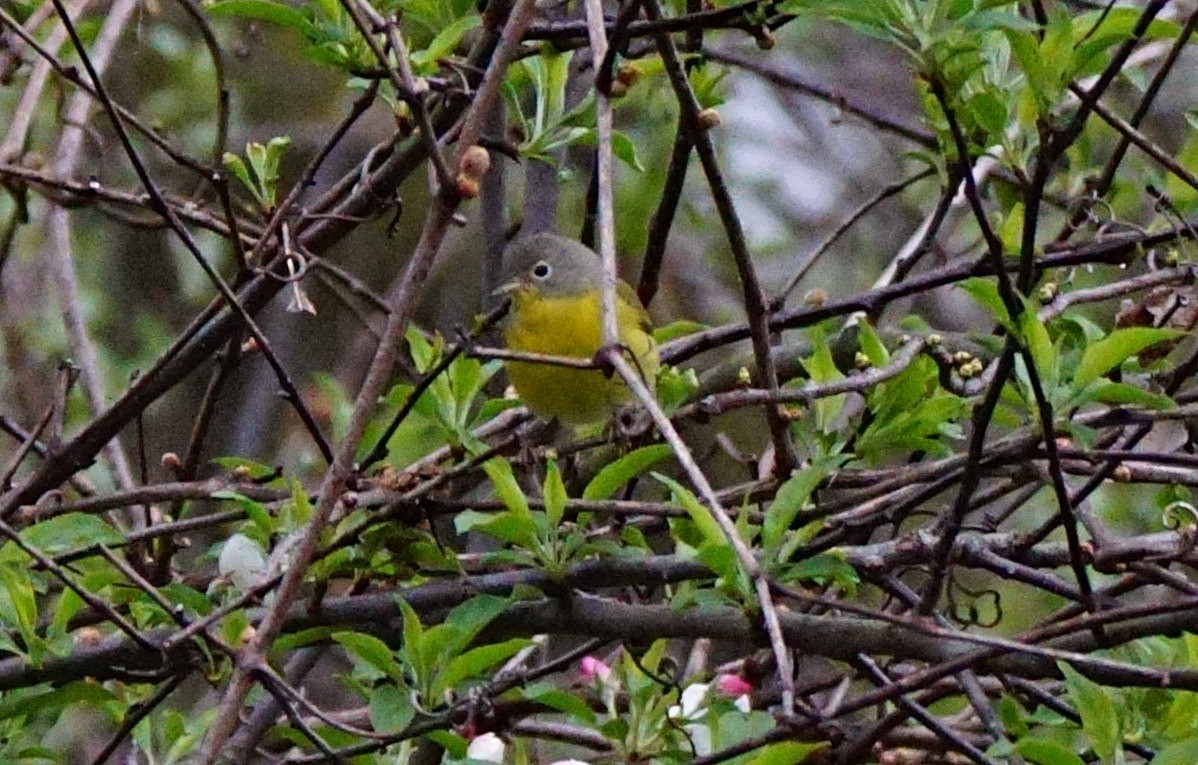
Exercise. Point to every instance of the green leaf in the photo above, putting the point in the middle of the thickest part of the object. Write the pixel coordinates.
(1011, 716)
(823, 568)
(821, 367)
(1111, 351)
(721, 559)
(784, 753)
(990, 111)
(1183, 752)
(506, 486)
(698, 513)
(423, 352)
(256, 512)
(253, 471)
(237, 167)
(21, 610)
(1045, 752)
(467, 520)
(71, 531)
(620, 471)
(372, 652)
(425, 61)
(391, 709)
(790, 498)
(475, 662)
(871, 344)
(1039, 345)
(677, 329)
(1010, 230)
(1104, 391)
(675, 387)
(985, 293)
(41, 699)
(625, 150)
(506, 527)
(293, 640)
(276, 13)
(554, 491)
(468, 619)
(566, 703)
(1095, 705)
(413, 641)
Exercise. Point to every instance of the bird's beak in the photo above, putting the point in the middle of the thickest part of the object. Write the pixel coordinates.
(508, 288)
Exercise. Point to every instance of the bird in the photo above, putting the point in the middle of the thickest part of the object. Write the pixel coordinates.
(555, 286)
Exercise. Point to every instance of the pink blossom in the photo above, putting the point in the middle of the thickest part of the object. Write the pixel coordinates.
(593, 669)
(733, 685)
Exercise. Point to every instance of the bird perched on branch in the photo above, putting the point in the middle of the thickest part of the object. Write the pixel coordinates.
(556, 289)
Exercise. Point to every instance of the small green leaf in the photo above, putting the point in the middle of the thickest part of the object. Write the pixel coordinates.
(372, 652)
(444, 43)
(1010, 230)
(474, 662)
(677, 329)
(699, 514)
(620, 471)
(1039, 345)
(721, 559)
(506, 527)
(985, 293)
(554, 491)
(1045, 752)
(1096, 706)
(468, 619)
(790, 498)
(276, 13)
(506, 486)
(413, 640)
(391, 709)
(1011, 716)
(822, 369)
(1183, 752)
(824, 568)
(566, 703)
(70, 531)
(235, 165)
(255, 511)
(253, 471)
(784, 753)
(22, 604)
(1111, 351)
(467, 520)
(675, 387)
(1122, 394)
(871, 344)
(625, 151)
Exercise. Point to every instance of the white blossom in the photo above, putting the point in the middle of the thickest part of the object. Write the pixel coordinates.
(488, 747)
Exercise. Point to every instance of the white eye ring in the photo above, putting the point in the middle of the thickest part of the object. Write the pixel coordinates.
(541, 270)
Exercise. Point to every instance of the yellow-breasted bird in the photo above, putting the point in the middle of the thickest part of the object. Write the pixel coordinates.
(556, 288)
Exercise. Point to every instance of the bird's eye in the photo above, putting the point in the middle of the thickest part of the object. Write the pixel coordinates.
(541, 270)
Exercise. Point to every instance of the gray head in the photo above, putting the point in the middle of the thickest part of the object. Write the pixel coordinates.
(552, 264)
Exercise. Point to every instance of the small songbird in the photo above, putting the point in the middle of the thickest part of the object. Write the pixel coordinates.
(556, 289)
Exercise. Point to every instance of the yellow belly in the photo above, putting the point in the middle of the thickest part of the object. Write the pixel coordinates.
(571, 326)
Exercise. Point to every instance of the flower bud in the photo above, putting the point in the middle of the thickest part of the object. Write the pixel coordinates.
(709, 118)
(475, 162)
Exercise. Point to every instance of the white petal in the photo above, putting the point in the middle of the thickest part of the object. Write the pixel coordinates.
(701, 738)
(693, 698)
(487, 747)
(242, 560)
